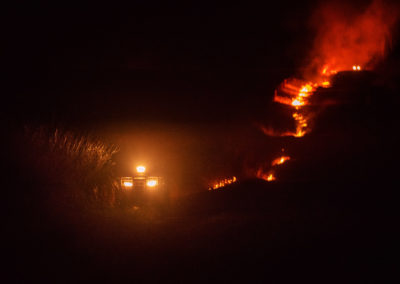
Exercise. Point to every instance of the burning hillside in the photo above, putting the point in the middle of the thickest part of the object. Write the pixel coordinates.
(351, 41)
(348, 43)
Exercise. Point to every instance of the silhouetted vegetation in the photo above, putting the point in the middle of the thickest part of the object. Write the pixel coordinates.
(69, 168)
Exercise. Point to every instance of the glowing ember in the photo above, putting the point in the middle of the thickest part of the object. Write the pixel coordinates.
(270, 177)
(223, 182)
(280, 161)
(297, 102)
(306, 89)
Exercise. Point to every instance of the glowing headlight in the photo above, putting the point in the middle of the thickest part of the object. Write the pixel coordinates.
(140, 169)
(128, 184)
(152, 183)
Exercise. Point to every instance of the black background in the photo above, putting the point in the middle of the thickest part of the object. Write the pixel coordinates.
(188, 60)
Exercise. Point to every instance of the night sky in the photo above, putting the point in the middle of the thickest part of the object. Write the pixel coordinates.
(200, 62)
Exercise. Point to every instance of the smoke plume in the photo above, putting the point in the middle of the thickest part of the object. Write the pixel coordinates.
(347, 35)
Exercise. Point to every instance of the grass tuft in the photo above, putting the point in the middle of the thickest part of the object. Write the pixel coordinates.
(71, 168)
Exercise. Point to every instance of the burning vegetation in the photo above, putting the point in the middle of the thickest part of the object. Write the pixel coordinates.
(280, 161)
(346, 39)
(268, 173)
(352, 41)
(222, 183)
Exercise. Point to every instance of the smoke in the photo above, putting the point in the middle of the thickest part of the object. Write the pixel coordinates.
(347, 35)
(346, 38)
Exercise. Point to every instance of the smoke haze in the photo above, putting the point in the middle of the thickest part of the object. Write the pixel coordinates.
(346, 36)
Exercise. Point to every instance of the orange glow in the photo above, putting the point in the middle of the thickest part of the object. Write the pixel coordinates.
(270, 177)
(223, 182)
(297, 102)
(306, 88)
(296, 93)
(265, 175)
(363, 38)
(280, 161)
(282, 100)
(140, 169)
(152, 183)
(128, 183)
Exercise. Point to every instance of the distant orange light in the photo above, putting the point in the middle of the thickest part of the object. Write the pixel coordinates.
(325, 84)
(306, 88)
(152, 183)
(297, 102)
(223, 182)
(297, 116)
(270, 177)
(280, 160)
(128, 183)
(140, 169)
(299, 133)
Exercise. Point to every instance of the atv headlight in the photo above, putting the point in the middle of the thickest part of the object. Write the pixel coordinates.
(152, 182)
(141, 169)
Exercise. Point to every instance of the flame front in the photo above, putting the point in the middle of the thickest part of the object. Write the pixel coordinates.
(268, 176)
(280, 161)
(342, 43)
(222, 183)
(296, 93)
(268, 173)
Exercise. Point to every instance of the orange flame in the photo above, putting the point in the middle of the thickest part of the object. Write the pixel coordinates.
(280, 161)
(340, 42)
(362, 35)
(270, 177)
(222, 183)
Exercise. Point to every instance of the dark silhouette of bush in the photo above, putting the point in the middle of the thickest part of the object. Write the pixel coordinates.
(70, 169)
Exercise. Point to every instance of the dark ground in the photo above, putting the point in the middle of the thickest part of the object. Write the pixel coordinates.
(315, 232)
